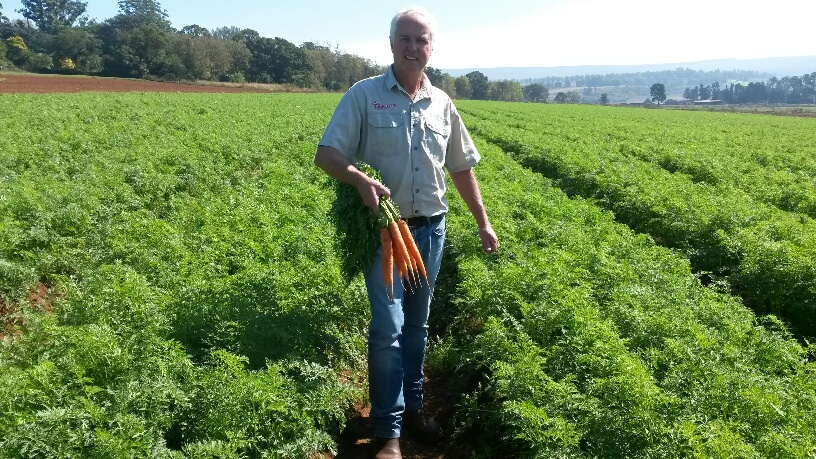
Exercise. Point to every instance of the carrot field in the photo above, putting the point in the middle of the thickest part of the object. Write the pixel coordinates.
(171, 283)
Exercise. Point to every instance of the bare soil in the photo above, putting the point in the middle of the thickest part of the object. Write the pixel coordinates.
(356, 441)
(17, 83)
(41, 298)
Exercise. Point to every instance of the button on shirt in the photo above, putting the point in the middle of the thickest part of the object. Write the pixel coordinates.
(409, 142)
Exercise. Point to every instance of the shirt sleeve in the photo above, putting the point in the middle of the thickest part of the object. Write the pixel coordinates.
(462, 154)
(343, 131)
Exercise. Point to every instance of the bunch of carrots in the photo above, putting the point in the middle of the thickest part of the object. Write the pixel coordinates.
(399, 249)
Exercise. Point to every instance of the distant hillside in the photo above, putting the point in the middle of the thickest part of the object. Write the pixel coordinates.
(775, 66)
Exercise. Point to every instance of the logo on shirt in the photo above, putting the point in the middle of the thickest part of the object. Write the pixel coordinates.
(379, 106)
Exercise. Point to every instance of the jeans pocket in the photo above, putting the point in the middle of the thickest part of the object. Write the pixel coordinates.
(440, 228)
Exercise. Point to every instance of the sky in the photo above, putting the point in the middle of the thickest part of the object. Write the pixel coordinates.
(519, 33)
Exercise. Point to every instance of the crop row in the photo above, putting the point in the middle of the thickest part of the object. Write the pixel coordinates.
(582, 338)
(766, 255)
(769, 158)
(198, 307)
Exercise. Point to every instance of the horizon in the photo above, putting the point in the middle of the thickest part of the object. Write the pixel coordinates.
(649, 64)
(568, 33)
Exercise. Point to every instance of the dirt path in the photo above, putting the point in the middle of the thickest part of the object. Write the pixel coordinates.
(356, 441)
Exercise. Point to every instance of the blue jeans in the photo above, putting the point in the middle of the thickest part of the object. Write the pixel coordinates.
(398, 333)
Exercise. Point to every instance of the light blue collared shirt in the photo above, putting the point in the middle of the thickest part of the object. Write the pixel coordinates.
(409, 142)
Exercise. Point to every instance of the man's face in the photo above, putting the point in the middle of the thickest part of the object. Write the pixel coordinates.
(412, 45)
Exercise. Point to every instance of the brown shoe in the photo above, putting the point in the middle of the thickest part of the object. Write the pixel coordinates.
(387, 448)
(422, 427)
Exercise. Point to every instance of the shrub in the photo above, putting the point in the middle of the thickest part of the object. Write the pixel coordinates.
(67, 63)
(17, 51)
(40, 61)
(3, 49)
(237, 77)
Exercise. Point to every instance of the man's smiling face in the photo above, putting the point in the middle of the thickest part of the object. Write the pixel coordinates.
(412, 45)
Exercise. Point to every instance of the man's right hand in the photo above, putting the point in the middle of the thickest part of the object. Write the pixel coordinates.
(336, 165)
(371, 190)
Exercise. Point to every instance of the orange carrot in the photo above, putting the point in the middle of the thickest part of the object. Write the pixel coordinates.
(413, 273)
(413, 251)
(387, 262)
(401, 257)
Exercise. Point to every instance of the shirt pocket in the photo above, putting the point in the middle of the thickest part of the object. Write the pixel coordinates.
(436, 137)
(386, 136)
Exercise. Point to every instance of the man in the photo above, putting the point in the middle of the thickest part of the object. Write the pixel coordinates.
(410, 131)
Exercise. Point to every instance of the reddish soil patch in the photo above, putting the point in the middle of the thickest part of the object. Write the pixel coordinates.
(41, 298)
(11, 83)
(356, 440)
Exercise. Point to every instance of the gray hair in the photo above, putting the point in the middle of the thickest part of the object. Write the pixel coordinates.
(413, 11)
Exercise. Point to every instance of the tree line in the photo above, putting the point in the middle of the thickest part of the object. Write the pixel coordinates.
(477, 86)
(785, 90)
(679, 77)
(139, 42)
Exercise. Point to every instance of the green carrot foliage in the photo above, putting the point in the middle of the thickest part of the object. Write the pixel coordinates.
(357, 227)
(174, 282)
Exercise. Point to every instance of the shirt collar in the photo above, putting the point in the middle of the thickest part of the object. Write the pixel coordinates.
(391, 83)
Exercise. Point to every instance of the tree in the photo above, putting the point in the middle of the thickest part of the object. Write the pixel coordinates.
(705, 92)
(691, 93)
(335, 70)
(3, 20)
(716, 92)
(797, 93)
(776, 91)
(809, 81)
(536, 92)
(463, 89)
(195, 30)
(247, 35)
(135, 42)
(658, 92)
(507, 91)
(567, 97)
(3, 61)
(448, 84)
(321, 61)
(755, 93)
(349, 69)
(209, 58)
(51, 15)
(228, 33)
(16, 50)
(728, 95)
(604, 99)
(435, 75)
(80, 46)
(150, 9)
(479, 85)
(275, 60)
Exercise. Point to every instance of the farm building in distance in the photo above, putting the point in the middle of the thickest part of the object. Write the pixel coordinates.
(641, 100)
(709, 102)
(678, 100)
